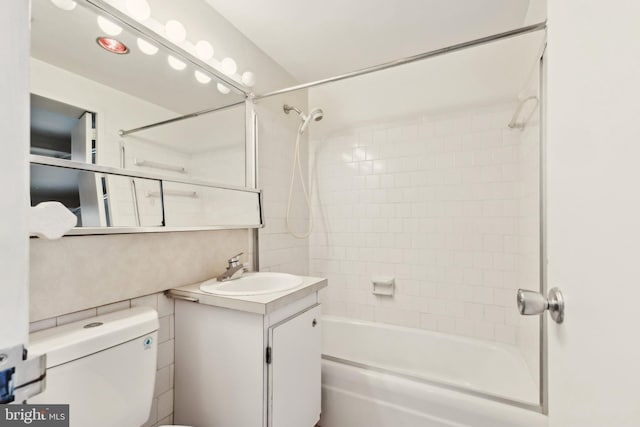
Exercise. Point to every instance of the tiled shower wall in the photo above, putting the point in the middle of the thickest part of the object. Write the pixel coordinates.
(433, 201)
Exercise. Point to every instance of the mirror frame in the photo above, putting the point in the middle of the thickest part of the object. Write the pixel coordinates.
(100, 6)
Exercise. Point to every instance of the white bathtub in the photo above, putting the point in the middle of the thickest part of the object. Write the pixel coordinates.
(377, 375)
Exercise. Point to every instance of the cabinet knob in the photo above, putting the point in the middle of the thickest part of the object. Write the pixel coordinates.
(314, 323)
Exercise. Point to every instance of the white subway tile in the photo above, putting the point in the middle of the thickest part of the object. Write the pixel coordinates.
(165, 405)
(482, 295)
(78, 315)
(163, 382)
(150, 301)
(42, 324)
(428, 321)
(122, 305)
(165, 353)
(485, 330)
(165, 305)
(505, 334)
(164, 332)
(473, 311)
(494, 314)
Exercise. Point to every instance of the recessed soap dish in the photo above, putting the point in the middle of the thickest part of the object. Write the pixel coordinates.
(383, 286)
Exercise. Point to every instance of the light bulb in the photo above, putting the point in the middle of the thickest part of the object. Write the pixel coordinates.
(202, 77)
(175, 63)
(229, 66)
(223, 89)
(175, 31)
(147, 47)
(109, 27)
(248, 78)
(204, 50)
(65, 4)
(139, 9)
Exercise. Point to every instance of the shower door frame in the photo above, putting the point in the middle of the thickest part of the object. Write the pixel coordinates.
(543, 401)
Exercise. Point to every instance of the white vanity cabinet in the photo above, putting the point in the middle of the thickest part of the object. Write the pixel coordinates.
(241, 368)
(294, 370)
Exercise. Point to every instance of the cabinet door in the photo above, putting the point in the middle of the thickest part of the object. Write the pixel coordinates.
(294, 372)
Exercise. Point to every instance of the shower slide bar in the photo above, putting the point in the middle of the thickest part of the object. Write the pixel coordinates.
(410, 59)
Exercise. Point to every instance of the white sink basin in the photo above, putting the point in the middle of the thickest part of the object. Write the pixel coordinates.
(252, 284)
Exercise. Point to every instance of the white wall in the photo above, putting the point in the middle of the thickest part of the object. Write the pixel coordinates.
(279, 251)
(594, 211)
(14, 200)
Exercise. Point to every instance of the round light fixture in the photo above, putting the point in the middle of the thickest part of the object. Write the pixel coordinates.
(249, 78)
(175, 31)
(65, 4)
(202, 77)
(175, 63)
(229, 66)
(112, 45)
(139, 9)
(146, 47)
(109, 27)
(223, 89)
(204, 50)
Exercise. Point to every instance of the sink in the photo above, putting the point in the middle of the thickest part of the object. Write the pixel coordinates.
(258, 283)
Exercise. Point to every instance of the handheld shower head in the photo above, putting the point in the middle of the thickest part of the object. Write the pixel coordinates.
(316, 115)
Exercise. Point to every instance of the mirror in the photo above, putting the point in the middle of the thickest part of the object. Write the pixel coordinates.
(191, 205)
(98, 199)
(83, 92)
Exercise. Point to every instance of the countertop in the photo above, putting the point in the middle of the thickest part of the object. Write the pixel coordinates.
(259, 304)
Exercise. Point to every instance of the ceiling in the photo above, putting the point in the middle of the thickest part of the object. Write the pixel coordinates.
(487, 75)
(318, 39)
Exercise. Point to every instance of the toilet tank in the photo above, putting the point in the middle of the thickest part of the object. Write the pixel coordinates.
(103, 367)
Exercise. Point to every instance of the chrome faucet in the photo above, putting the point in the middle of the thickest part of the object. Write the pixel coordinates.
(234, 270)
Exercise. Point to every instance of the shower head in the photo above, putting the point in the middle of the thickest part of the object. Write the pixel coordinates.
(316, 115)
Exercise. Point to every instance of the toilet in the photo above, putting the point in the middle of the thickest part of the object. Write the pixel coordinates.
(103, 367)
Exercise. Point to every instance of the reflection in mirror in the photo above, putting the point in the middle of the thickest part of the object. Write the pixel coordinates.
(210, 148)
(61, 130)
(99, 200)
(189, 205)
(79, 86)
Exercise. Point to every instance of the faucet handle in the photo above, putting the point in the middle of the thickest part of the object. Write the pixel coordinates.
(234, 260)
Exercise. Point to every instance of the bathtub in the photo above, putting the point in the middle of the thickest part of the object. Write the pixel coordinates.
(377, 375)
